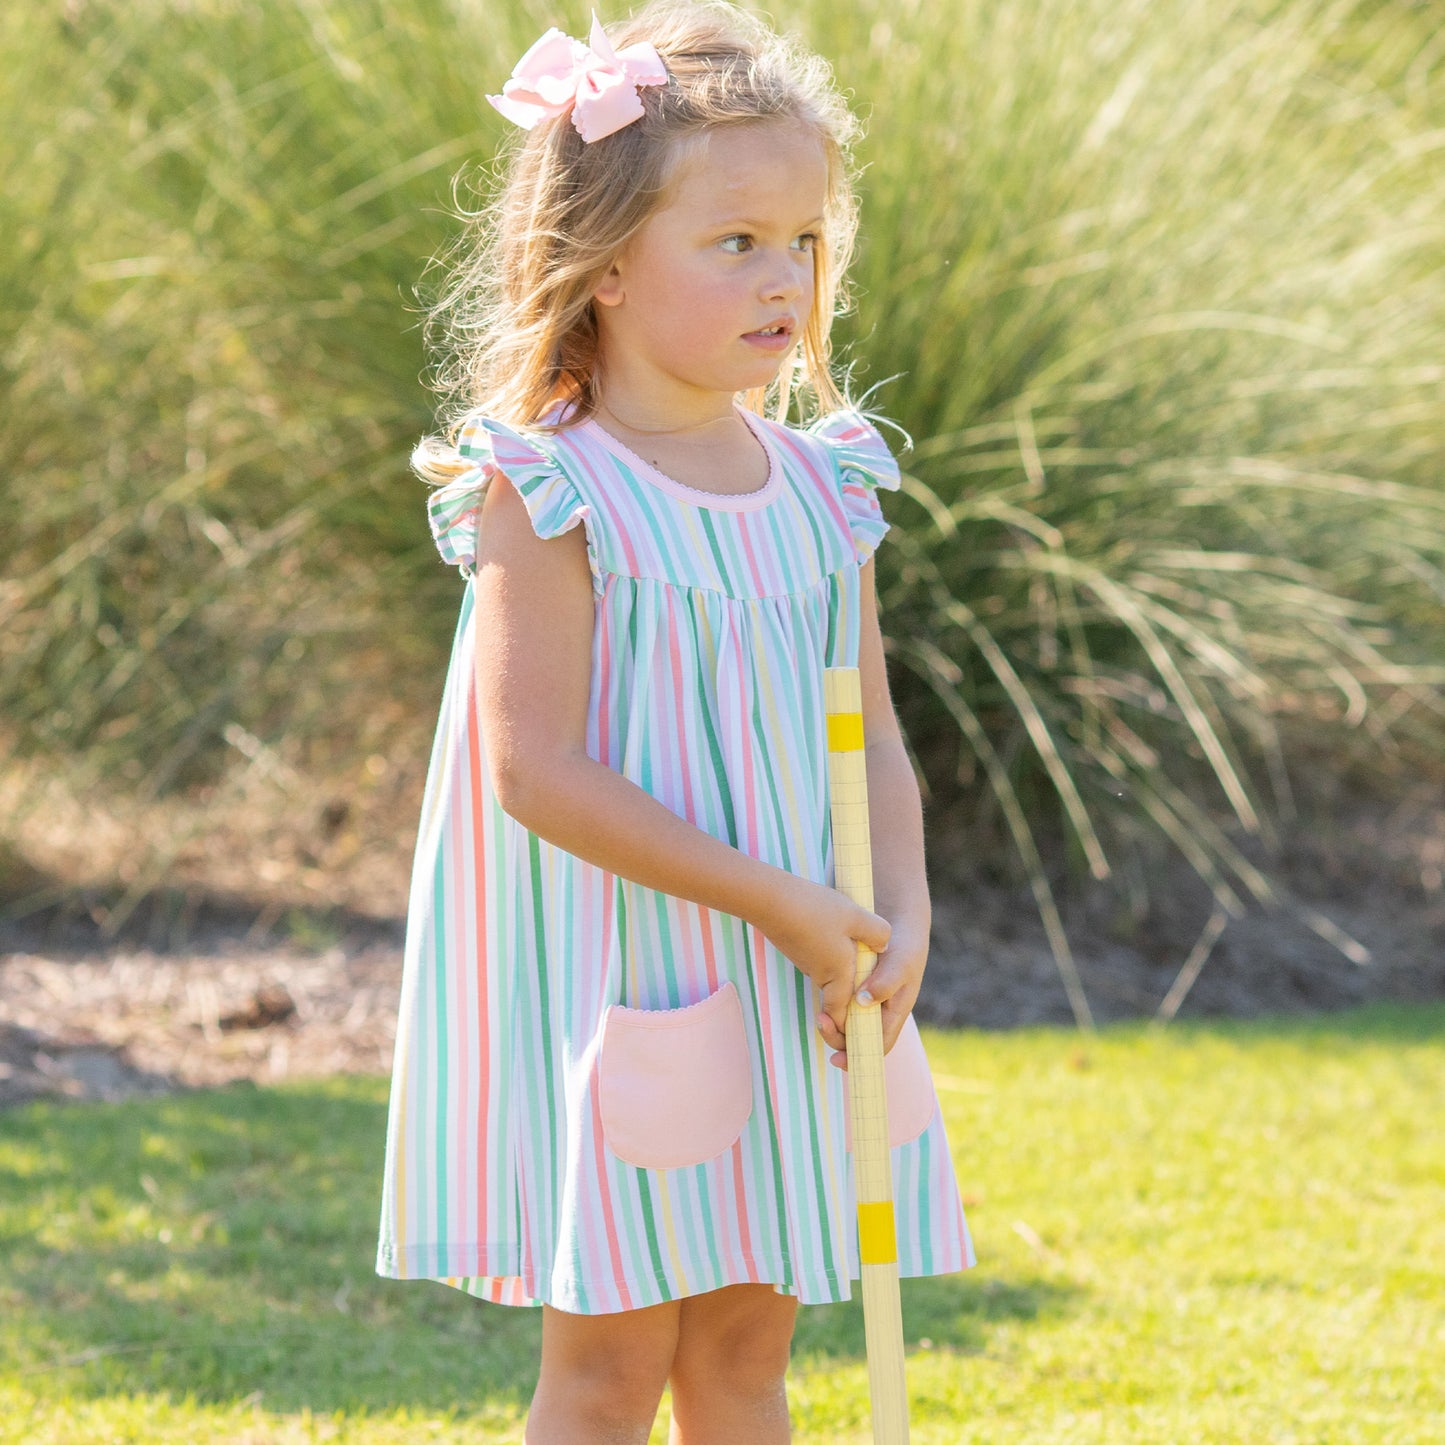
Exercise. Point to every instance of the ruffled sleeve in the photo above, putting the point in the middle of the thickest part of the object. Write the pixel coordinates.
(455, 509)
(864, 464)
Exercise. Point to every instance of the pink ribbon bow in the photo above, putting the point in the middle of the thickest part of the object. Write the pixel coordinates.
(598, 85)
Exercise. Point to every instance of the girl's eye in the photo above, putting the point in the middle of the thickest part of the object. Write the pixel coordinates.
(737, 244)
(806, 241)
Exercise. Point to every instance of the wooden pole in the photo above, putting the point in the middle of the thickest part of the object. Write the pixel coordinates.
(872, 1173)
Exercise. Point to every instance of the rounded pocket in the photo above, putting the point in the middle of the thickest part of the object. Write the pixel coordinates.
(674, 1085)
(908, 1084)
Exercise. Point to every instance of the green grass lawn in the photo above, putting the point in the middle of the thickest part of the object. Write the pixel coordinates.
(1225, 1232)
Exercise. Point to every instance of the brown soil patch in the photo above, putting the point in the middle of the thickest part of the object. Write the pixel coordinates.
(196, 979)
(108, 1022)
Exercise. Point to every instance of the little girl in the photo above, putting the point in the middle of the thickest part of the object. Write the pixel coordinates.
(626, 974)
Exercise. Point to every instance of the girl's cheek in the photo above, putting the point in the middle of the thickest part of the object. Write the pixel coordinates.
(687, 286)
(706, 293)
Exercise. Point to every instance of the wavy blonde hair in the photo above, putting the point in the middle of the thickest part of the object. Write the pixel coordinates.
(514, 327)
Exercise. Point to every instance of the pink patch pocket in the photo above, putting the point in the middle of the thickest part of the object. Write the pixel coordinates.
(909, 1086)
(675, 1085)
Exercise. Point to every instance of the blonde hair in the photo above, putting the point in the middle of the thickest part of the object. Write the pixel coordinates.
(514, 326)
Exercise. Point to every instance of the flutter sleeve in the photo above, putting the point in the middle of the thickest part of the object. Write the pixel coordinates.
(552, 501)
(864, 464)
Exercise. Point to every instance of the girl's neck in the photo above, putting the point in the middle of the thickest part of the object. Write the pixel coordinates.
(719, 454)
(640, 419)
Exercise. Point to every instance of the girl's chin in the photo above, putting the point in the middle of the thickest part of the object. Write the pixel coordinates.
(765, 367)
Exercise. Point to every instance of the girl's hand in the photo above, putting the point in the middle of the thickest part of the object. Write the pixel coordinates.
(894, 983)
(818, 929)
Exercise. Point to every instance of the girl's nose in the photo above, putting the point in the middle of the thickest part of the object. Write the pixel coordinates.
(786, 283)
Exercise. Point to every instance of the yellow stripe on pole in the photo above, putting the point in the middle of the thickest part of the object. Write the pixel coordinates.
(845, 732)
(877, 1236)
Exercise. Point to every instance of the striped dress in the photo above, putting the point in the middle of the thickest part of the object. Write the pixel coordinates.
(603, 1096)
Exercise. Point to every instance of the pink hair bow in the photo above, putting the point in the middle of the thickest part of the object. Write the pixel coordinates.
(597, 84)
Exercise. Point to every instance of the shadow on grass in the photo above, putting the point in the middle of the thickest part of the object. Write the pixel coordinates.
(954, 1313)
(220, 1244)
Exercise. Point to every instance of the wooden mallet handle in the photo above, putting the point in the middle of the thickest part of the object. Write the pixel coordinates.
(877, 1235)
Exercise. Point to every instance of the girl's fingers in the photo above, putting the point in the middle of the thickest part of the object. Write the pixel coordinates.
(875, 933)
(831, 1034)
(892, 1027)
(882, 983)
(895, 1015)
(836, 1039)
(837, 995)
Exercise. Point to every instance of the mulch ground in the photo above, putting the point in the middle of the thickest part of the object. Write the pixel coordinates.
(109, 1021)
(120, 1021)
(222, 987)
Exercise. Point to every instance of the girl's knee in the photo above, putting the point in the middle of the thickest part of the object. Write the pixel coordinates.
(615, 1365)
(617, 1387)
(742, 1336)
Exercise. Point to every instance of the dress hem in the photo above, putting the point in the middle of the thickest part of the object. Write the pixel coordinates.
(821, 1287)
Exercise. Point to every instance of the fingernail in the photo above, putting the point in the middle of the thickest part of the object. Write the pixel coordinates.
(864, 998)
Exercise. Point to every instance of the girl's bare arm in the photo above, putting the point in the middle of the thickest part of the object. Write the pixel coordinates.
(535, 612)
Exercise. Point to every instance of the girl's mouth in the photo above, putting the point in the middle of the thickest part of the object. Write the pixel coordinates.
(777, 337)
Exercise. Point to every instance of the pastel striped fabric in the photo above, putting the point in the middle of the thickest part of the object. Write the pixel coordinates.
(520, 1067)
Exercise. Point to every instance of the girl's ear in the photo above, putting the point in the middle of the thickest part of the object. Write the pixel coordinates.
(609, 289)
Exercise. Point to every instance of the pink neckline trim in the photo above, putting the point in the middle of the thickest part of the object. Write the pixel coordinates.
(721, 501)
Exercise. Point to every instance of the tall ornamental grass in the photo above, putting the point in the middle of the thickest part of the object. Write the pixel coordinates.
(1164, 291)
(1155, 289)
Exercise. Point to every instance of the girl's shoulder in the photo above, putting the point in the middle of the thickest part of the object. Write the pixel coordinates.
(857, 447)
(848, 459)
(844, 444)
(528, 458)
(841, 458)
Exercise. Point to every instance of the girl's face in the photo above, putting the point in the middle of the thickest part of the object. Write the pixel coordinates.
(713, 292)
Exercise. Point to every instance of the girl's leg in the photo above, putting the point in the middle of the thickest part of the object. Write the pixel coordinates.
(602, 1376)
(728, 1372)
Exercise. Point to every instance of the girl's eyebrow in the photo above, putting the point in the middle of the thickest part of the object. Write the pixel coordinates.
(749, 223)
